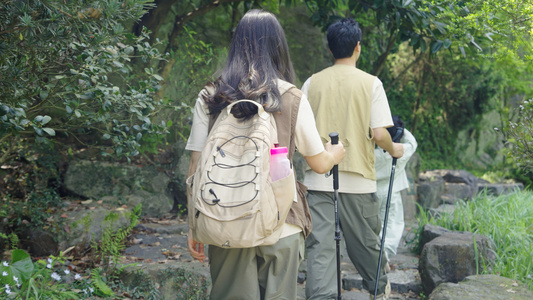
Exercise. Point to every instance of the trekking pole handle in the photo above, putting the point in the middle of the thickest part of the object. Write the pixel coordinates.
(334, 136)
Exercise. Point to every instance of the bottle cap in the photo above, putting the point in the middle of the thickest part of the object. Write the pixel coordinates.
(278, 150)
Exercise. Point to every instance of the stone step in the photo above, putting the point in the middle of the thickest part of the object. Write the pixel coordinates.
(402, 281)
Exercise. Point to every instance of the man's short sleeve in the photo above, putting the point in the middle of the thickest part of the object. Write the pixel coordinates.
(380, 114)
(307, 138)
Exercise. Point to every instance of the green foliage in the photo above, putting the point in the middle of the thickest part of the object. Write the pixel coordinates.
(519, 136)
(414, 21)
(29, 189)
(67, 76)
(413, 239)
(51, 279)
(191, 285)
(20, 278)
(100, 284)
(112, 243)
(506, 220)
(438, 98)
(67, 83)
(193, 67)
(9, 241)
(140, 287)
(506, 23)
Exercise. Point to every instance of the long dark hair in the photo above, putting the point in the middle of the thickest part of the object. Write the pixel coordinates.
(258, 55)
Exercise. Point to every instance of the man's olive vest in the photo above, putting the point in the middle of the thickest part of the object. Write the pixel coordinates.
(341, 98)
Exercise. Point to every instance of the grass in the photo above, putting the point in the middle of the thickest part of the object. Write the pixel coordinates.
(507, 220)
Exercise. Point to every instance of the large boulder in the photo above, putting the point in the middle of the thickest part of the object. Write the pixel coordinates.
(457, 191)
(38, 242)
(459, 176)
(436, 187)
(85, 226)
(409, 195)
(120, 184)
(452, 257)
(431, 232)
(430, 189)
(497, 189)
(487, 287)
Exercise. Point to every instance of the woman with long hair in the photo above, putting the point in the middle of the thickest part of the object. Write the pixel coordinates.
(259, 68)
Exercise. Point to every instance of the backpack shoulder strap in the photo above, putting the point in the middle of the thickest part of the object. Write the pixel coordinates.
(299, 214)
(290, 103)
(287, 117)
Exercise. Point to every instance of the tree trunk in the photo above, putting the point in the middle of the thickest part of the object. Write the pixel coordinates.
(180, 21)
(154, 18)
(382, 59)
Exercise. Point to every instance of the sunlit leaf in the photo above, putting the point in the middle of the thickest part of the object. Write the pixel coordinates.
(50, 131)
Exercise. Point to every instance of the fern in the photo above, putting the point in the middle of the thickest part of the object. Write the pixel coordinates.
(100, 284)
(12, 240)
(114, 242)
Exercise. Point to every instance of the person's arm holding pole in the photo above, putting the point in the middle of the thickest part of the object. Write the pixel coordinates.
(383, 140)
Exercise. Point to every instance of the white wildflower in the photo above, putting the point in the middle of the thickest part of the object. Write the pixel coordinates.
(91, 290)
(49, 266)
(16, 279)
(8, 291)
(7, 286)
(4, 273)
(77, 276)
(56, 276)
(50, 260)
(67, 271)
(5, 264)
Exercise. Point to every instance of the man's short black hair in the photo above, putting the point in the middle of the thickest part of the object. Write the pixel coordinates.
(343, 36)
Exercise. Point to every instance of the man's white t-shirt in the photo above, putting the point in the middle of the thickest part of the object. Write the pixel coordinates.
(349, 182)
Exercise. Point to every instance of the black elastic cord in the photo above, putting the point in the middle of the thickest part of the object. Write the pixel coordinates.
(230, 185)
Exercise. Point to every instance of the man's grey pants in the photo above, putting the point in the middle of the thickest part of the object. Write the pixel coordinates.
(360, 224)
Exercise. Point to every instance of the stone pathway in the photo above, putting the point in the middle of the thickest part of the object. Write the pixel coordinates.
(163, 242)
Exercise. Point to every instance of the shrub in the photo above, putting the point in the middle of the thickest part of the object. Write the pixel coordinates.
(67, 76)
(519, 136)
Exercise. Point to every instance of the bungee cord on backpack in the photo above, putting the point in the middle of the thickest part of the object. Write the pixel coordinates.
(233, 185)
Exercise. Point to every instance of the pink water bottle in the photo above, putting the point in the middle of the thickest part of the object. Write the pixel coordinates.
(280, 166)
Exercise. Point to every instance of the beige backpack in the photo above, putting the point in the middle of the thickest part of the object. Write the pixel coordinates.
(235, 203)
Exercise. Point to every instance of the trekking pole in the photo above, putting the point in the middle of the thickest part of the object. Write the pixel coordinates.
(335, 140)
(394, 159)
